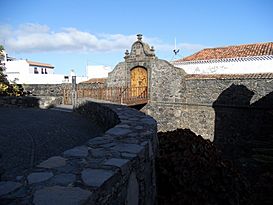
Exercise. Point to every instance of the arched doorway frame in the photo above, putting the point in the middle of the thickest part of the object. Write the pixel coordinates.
(139, 80)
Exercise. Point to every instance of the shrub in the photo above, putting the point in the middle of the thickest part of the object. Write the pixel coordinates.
(190, 171)
(7, 89)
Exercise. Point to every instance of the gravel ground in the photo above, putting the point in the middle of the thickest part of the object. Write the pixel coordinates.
(29, 135)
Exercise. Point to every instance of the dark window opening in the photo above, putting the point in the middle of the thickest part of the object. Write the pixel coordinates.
(36, 70)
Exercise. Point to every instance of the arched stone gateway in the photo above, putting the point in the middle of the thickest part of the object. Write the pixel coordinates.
(136, 70)
(147, 82)
(135, 73)
(145, 75)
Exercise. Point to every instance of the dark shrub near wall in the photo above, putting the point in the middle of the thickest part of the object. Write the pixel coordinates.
(190, 170)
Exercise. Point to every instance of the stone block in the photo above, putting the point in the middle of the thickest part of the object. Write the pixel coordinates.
(81, 151)
(121, 163)
(99, 152)
(128, 155)
(63, 179)
(108, 145)
(99, 141)
(37, 177)
(53, 162)
(96, 177)
(58, 195)
(131, 148)
(118, 131)
(7, 187)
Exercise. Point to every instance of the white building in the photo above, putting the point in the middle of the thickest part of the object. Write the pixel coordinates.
(28, 67)
(30, 72)
(238, 59)
(97, 71)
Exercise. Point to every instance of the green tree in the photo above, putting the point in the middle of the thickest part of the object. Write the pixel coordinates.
(4, 85)
(7, 89)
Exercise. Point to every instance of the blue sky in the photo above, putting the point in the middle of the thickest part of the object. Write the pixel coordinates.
(72, 34)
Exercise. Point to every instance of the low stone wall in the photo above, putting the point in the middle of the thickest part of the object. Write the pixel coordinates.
(46, 89)
(56, 90)
(116, 168)
(43, 102)
(9, 101)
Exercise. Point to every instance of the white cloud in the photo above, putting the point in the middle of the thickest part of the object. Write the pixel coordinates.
(35, 38)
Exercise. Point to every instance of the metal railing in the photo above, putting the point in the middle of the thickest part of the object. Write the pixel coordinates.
(121, 95)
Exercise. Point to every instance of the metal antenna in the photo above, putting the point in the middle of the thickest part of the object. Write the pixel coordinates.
(176, 51)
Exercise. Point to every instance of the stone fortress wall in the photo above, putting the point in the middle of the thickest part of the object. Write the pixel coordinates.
(233, 111)
(179, 100)
(116, 168)
(195, 110)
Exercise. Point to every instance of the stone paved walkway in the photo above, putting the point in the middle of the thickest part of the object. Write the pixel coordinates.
(28, 136)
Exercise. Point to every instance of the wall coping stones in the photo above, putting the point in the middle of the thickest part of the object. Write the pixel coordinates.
(120, 163)
(81, 151)
(96, 177)
(53, 162)
(99, 171)
(37, 177)
(63, 179)
(58, 195)
(120, 131)
(131, 148)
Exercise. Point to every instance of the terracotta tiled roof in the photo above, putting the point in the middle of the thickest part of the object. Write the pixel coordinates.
(32, 63)
(95, 80)
(237, 51)
(230, 76)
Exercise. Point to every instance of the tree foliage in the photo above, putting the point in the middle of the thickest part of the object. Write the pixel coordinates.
(7, 89)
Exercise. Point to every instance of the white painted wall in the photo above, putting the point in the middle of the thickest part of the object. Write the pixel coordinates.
(21, 72)
(42, 78)
(240, 67)
(17, 67)
(49, 70)
(98, 71)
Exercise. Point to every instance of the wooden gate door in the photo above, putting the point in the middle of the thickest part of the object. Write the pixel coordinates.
(139, 81)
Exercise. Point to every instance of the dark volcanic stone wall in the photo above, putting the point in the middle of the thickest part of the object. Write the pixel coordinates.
(197, 104)
(236, 95)
(45, 89)
(167, 83)
(117, 78)
(236, 114)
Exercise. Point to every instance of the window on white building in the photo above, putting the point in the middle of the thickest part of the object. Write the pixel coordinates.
(36, 70)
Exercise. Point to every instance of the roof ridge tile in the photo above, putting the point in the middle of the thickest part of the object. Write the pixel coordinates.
(234, 51)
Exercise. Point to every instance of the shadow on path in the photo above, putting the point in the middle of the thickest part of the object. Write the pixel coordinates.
(29, 135)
